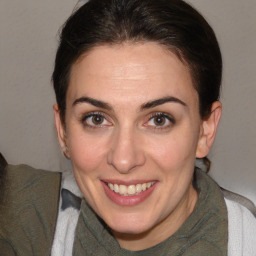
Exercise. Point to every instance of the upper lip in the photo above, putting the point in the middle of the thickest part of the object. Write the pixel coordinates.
(127, 183)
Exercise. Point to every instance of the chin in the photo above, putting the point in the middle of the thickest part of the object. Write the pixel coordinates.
(133, 230)
(130, 224)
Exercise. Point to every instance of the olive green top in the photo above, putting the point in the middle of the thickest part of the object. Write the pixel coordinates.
(28, 218)
(205, 232)
(29, 213)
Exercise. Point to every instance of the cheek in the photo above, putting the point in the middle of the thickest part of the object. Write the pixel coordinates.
(175, 152)
(86, 152)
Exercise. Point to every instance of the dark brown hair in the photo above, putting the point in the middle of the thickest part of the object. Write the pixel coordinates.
(171, 23)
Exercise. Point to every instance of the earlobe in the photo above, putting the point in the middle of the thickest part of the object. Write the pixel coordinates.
(208, 130)
(60, 131)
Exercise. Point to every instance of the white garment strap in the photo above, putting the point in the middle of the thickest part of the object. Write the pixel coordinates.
(241, 230)
(67, 219)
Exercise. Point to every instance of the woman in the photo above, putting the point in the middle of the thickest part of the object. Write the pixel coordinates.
(137, 87)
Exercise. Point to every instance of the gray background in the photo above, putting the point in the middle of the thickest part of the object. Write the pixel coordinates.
(28, 40)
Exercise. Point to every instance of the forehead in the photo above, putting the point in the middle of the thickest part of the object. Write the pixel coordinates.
(130, 72)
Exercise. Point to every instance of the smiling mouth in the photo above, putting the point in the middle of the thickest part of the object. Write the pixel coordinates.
(130, 190)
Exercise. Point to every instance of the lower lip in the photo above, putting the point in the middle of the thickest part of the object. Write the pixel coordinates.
(127, 200)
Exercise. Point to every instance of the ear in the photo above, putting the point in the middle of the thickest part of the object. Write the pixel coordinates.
(61, 132)
(208, 130)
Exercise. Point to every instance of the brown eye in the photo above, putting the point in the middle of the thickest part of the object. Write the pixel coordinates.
(159, 120)
(97, 119)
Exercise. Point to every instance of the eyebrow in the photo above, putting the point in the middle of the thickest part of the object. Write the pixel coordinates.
(148, 105)
(162, 101)
(94, 102)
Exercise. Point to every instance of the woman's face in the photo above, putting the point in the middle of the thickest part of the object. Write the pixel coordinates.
(133, 131)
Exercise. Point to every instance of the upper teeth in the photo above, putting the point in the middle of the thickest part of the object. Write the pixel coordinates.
(131, 189)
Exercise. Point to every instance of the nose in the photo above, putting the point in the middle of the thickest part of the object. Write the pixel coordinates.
(126, 152)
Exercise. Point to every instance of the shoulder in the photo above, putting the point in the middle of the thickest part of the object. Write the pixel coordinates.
(241, 224)
(27, 185)
(22, 174)
(30, 207)
(237, 201)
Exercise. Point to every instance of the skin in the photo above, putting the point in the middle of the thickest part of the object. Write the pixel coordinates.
(128, 145)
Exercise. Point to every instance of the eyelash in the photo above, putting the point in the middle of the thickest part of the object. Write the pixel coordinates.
(85, 118)
(167, 118)
(102, 115)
